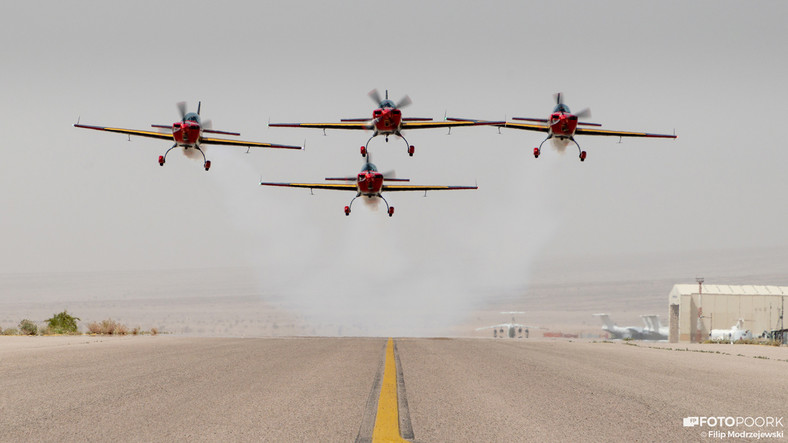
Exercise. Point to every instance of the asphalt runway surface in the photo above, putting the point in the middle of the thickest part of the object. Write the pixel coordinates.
(169, 388)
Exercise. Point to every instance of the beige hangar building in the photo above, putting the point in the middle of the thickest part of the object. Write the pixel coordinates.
(696, 309)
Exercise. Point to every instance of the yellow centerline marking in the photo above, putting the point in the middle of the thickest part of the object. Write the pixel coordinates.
(387, 418)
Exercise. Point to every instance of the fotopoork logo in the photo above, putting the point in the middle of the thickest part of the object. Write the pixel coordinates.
(731, 422)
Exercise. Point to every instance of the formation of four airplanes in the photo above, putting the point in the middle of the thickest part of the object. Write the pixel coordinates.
(191, 132)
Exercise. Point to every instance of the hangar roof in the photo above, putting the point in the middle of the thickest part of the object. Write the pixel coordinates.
(692, 288)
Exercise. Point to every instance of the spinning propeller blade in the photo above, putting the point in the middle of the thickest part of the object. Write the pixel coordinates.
(584, 113)
(405, 101)
(375, 95)
(182, 110)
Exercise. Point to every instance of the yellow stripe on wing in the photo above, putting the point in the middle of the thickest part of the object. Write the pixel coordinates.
(348, 125)
(330, 186)
(527, 126)
(590, 131)
(443, 124)
(392, 188)
(222, 141)
(140, 133)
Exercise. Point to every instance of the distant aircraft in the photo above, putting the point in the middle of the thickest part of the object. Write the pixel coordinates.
(622, 332)
(734, 334)
(369, 183)
(654, 328)
(188, 134)
(386, 120)
(510, 330)
(562, 126)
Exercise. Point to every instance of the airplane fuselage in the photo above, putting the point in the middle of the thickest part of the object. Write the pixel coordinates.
(369, 183)
(562, 125)
(188, 131)
(388, 120)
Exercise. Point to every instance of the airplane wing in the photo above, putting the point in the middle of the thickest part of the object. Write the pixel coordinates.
(392, 188)
(503, 325)
(331, 186)
(248, 144)
(351, 124)
(592, 131)
(151, 134)
(530, 127)
(443, 124)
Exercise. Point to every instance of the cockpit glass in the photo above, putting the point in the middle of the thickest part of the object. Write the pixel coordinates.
(369, 167)
(192, 117)
(387, 104)
(562, 108)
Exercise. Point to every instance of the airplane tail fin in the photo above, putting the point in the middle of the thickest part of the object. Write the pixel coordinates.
(606, 320)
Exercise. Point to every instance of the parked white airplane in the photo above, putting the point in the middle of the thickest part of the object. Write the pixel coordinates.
(735, 333)
(654, 328)
(511, 330)
(623, 332)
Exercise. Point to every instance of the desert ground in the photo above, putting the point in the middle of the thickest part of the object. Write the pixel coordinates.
(171, 388)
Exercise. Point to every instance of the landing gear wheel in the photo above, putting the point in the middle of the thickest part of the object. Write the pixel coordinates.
(363, 151)
(391, 211)
(583, 156)
(411, 150)
(536, 152)
(161, 160)
(347, 210)
(207, 165)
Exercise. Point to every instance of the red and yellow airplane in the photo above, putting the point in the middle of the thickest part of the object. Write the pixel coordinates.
(370, 183)
(562, 126)
(188, 134)
(386, 120)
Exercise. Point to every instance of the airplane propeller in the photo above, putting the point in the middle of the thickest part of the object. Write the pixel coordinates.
(375, 96)
(584, 113)
(559, 100)
(182, 110)
(405, 101)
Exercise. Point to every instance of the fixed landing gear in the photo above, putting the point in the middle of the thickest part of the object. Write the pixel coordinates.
(365, 149)
(389, 209)
(537, 151)
(581, 153)
(206, 163)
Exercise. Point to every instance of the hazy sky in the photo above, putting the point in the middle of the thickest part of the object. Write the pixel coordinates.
(78, 200)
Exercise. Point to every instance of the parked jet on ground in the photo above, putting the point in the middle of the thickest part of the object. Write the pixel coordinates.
(734, 334)
(510, 330)
(386, 120)
(654, 328)
(188, 134)
(623, 332)
(369, 183)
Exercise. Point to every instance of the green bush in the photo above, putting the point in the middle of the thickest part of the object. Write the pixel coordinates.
(62, 323)
(10, 331)
(27, 327)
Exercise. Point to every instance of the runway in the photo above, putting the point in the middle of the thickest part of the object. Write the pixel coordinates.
(169, 388)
